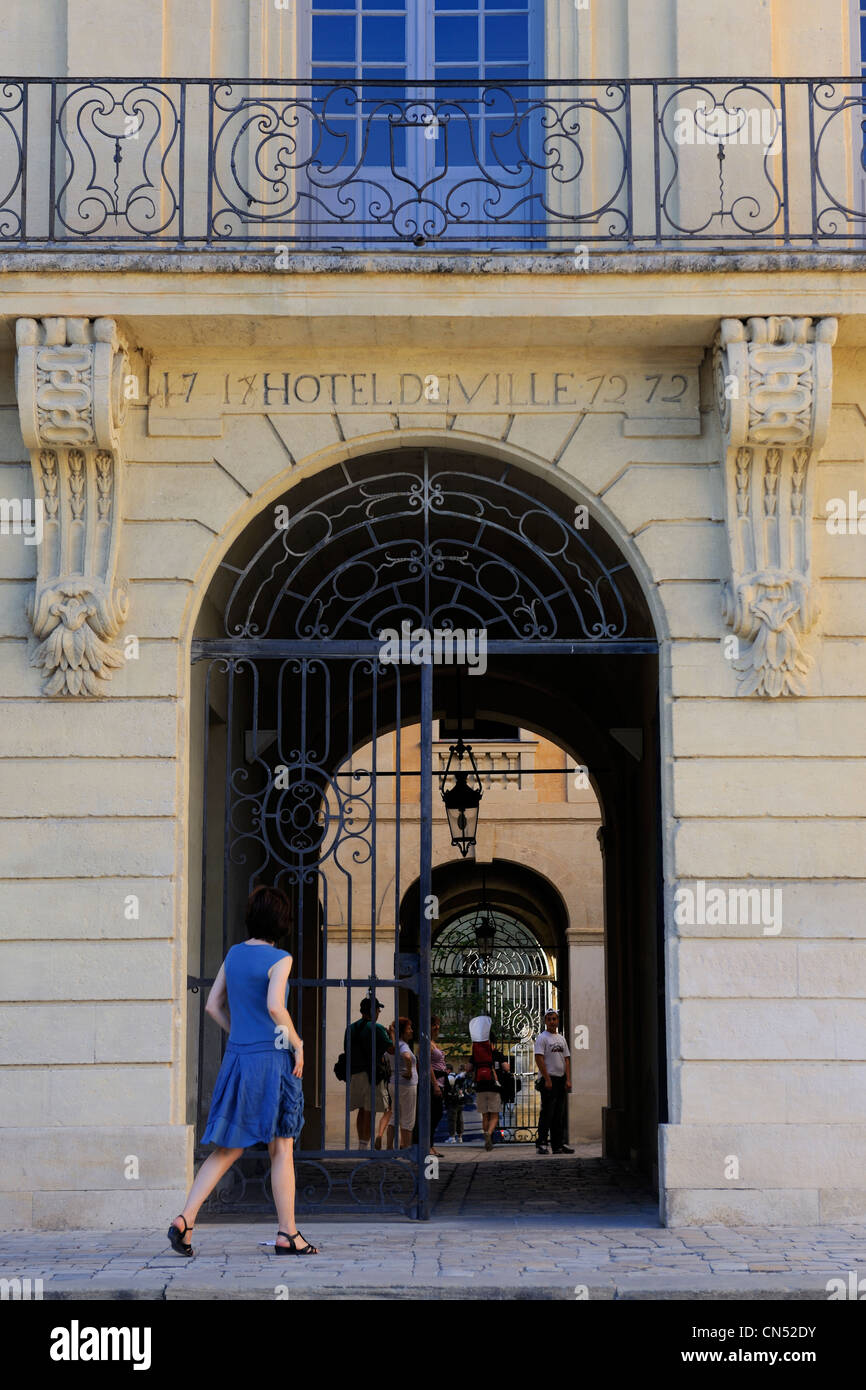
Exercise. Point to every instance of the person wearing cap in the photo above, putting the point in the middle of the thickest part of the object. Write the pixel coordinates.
(552, 1058)
(365, 1046)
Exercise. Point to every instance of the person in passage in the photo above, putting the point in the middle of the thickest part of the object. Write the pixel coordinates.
(258, 1097)
(488, 1066)
(405, 1104)
(365, 1046)
(438, 1080)
(455, 1099)
(552, 1058)
(508, 1095)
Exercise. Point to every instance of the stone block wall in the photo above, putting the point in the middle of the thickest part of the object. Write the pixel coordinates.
(766, 1033)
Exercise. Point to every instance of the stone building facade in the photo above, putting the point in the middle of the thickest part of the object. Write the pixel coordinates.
(699, 394)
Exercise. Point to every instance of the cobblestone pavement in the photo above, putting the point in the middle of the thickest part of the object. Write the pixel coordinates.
(502, 1228)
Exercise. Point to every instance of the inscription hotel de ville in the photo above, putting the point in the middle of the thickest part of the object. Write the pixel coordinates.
(657, 396)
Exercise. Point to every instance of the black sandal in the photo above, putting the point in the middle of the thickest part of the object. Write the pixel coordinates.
(175, 1237)
(291, 1248)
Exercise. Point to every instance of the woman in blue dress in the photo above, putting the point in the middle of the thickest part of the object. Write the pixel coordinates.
(258, 1097)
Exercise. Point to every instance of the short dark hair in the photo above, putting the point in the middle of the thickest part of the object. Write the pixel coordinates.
(268, 914)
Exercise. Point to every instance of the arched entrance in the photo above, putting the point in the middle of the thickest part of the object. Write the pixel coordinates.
(304, 781)
(514, 983)
(514, 978)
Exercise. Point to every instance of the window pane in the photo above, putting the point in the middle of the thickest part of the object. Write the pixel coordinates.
(506, 37)
(325, 72)
(504, 146)
(333, 5)
(455, 5)
(506, 72)
(383, 40)
(501, 101)
(445, 71)
(469, 93)
(464, 138)
(456, 39)
(375, 95)
(336, 146)
(383, 4)
(395, 71)
(505, 4)
(334, 103)
(384, 144)
(333, 38)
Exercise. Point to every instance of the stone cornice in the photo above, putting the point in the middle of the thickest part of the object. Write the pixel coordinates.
(157, 259)
(69, 378)
(773, 389)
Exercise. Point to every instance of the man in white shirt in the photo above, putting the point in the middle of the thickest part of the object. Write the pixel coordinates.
(553, 1060)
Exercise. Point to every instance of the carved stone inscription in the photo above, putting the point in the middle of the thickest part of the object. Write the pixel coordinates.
(659, 392)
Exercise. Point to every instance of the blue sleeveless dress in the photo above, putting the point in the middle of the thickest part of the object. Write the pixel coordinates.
(256, 1097)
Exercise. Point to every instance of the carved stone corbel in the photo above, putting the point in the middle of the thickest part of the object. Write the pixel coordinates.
(773, 387)
(69, 380)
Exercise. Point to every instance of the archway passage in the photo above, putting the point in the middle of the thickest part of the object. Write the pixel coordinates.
(304, 781)
(498, 948)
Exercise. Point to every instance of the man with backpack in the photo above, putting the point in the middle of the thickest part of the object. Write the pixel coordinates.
(365, 1046)
(488, 1067)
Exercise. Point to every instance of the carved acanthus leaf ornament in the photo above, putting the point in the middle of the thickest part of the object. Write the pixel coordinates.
(70, 376)
(773, 388)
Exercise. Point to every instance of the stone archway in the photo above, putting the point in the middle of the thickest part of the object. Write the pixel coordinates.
(447, 539)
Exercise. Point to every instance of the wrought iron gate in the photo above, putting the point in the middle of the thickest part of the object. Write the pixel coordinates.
(302, 749)
(302, 810)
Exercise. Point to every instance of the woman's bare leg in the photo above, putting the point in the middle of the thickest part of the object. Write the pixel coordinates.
(215, 1166)
(283, 1184)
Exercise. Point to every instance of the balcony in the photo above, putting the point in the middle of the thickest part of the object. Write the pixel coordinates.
(577, 167)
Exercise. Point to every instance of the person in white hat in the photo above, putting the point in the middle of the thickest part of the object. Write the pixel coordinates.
(487, 1066)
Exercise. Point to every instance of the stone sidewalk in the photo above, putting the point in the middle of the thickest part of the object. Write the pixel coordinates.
(529, 1258)
(561, 1229)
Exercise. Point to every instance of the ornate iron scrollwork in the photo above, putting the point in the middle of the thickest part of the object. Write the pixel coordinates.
(441, 545)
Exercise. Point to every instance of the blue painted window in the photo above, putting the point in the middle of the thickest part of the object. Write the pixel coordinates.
(352, 40)
(493, 42)
(456, 41)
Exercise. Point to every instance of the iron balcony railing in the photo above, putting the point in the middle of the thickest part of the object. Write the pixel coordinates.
(571, 166)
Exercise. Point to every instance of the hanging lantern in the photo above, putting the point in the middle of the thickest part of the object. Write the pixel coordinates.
(485, 924)
(485, 932)
(462, 797)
